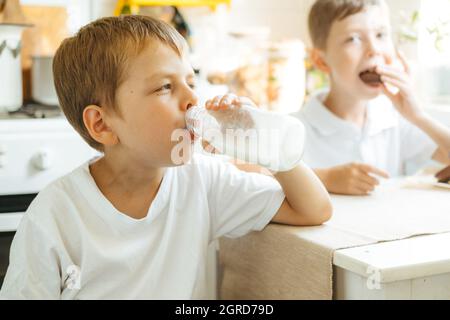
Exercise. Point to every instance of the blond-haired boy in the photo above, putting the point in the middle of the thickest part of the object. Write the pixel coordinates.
(132, 224)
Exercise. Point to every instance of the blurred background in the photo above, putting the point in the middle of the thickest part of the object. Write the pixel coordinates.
(256, 48)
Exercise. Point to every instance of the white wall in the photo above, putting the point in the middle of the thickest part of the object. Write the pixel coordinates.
(103, 8)
(286, 18)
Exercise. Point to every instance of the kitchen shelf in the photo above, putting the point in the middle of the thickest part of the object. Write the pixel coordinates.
(135, 4)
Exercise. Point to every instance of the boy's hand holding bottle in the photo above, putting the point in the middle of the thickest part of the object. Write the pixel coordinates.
(444, 175)
(234, 126)
(272, 141)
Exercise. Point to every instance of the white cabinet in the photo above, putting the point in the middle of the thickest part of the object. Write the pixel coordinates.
(410, 269)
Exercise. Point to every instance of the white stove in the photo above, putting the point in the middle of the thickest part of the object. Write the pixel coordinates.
(33, 153)
(37, 146)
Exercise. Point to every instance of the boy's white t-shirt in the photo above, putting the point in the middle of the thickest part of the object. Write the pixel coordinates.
(73, 244)
(387, 141)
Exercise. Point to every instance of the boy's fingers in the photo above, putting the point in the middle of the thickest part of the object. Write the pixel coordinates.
(215, 104)
(232, 97)
(370, 169)
(394, 82)
(359, 190)
(444, 175)
(365, 187)
(235, 100)
(404, 61)
(227, 101)
(388, 93)
(393, 73)
(366, 178)
(361, 183)
(224, 102)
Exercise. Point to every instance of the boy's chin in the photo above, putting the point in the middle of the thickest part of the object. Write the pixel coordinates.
(371, 91)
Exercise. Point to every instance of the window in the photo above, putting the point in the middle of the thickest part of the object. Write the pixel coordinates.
(434, 50)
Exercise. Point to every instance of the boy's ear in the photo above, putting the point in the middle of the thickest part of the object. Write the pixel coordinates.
(318, 60)
(95, 121)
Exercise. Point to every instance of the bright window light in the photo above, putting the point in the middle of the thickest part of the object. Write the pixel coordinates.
(434, 40)
(434, 50)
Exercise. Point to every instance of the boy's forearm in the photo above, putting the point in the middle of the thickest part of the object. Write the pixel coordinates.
(304, 191)
(435, 130)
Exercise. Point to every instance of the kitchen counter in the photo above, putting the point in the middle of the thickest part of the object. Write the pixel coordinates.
(415, 268)
(390, 245)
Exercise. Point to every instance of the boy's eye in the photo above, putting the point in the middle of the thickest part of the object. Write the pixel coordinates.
(382, 35)
(354, 39)
(192, 86)
(164, 87)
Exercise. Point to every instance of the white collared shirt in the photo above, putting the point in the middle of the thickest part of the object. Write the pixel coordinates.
(387, 141)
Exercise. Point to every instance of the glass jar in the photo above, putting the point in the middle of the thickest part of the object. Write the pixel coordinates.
(241, 63)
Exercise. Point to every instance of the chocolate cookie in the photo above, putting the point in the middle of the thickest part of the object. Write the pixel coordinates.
(370, 77)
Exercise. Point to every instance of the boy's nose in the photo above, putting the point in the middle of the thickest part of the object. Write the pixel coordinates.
(373, 49)
(372, 52)
(190, 100)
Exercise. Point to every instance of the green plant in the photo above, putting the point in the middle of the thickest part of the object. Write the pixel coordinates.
(440, 33)
(410, 28)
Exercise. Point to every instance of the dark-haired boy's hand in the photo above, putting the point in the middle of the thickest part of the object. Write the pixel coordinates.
(444, 175)
(404, 98)
(352, 179)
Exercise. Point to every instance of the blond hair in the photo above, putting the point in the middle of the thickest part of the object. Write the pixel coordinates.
(325, 12)
(89, 67)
